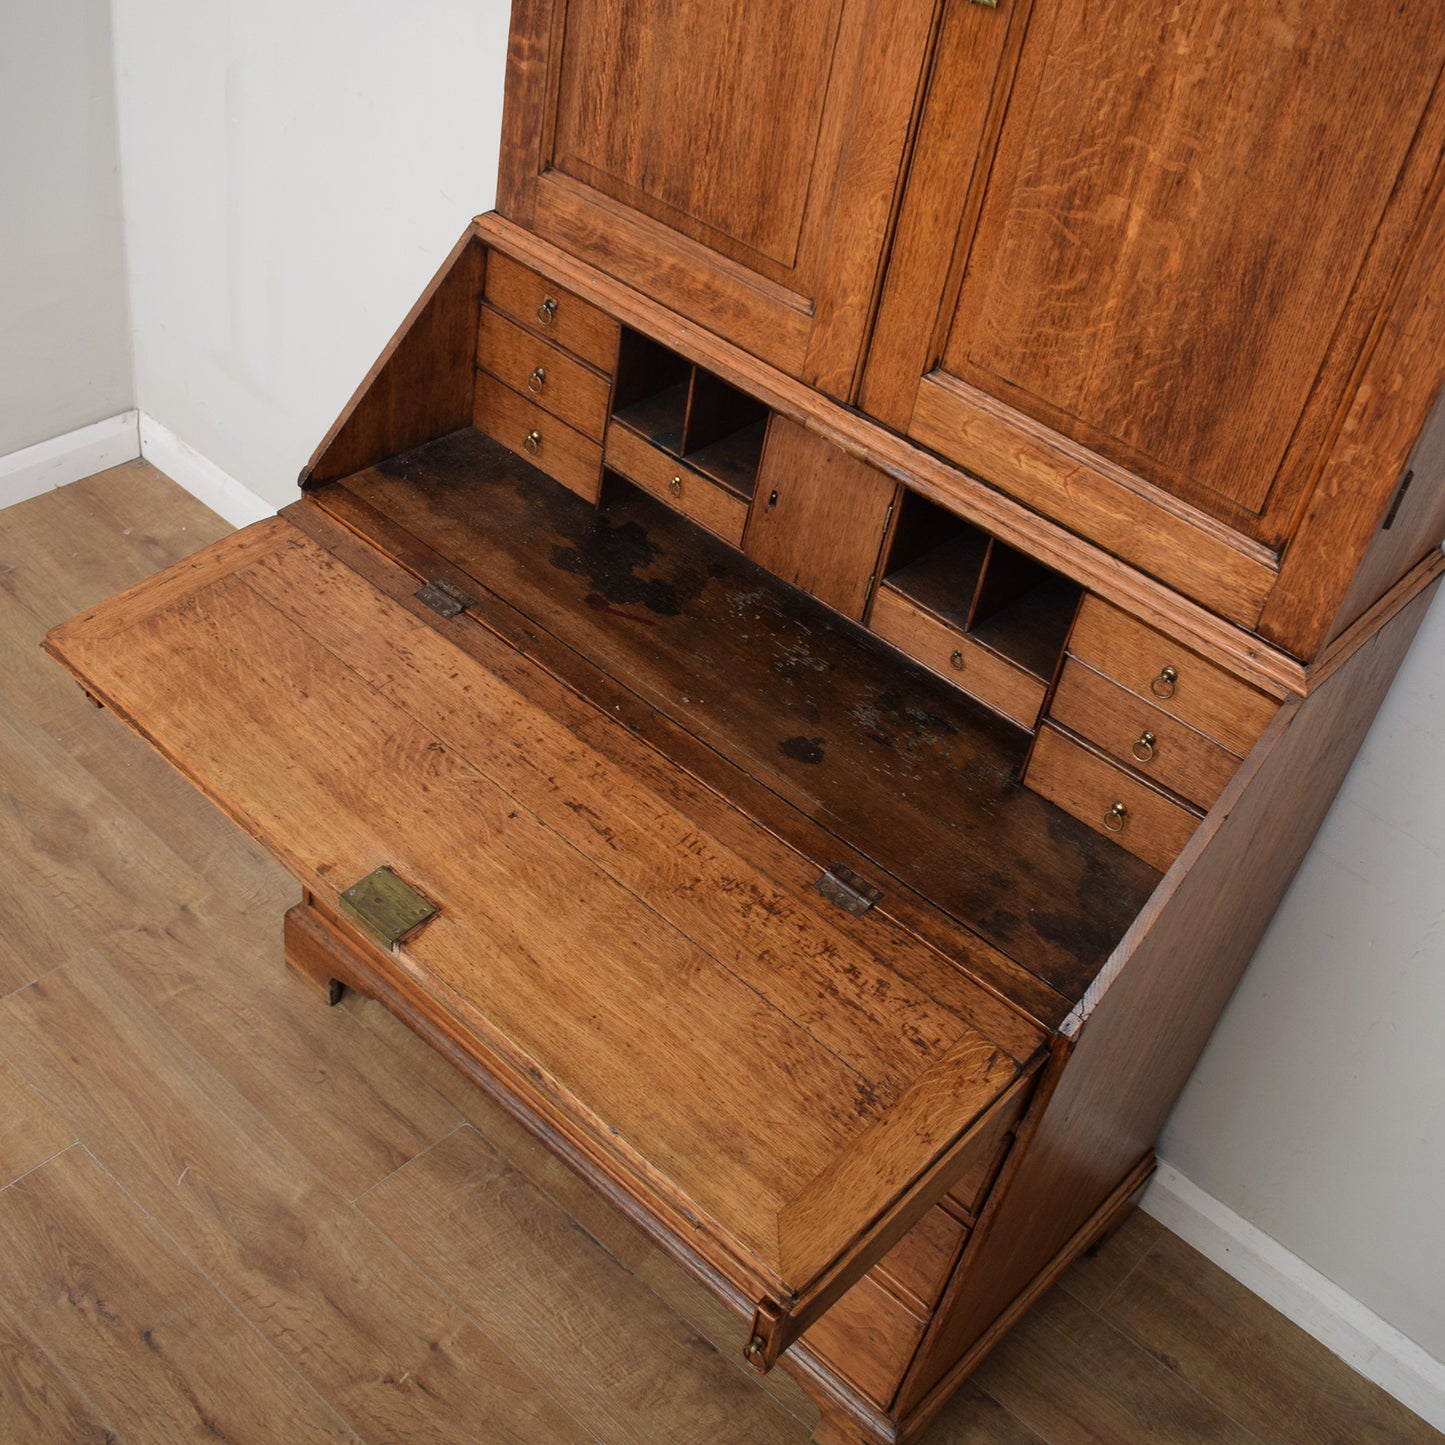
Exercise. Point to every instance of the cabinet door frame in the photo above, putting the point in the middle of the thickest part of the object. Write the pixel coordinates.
(1290, 589)
(814, 326)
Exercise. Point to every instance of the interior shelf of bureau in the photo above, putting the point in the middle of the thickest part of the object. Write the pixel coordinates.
(872, 751)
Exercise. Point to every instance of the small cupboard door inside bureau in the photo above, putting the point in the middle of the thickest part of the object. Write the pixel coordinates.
(1157, 286)
(737, 162)
(776, 1089)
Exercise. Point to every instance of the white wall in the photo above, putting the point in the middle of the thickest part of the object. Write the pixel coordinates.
(64, 343)
(1318, 1110)
(293, 175)
(295, 171)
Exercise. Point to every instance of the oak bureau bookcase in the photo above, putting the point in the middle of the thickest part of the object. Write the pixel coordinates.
(809, 662)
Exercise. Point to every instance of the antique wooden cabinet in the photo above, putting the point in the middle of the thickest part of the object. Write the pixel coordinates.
(809, 662)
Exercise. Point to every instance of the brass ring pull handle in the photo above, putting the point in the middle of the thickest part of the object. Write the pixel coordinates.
(537, 380)
(1116, 817)
(532, 443)
(955, 660)
(675, 486)
(547, 312)
(1143, 747)
(1163, 686)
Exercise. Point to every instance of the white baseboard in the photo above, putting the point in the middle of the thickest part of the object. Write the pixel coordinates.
(1357, 1335)
(200, 476)
(65, 459)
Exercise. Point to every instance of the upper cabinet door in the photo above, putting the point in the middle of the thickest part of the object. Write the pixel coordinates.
(739, 162)
(1142, 255)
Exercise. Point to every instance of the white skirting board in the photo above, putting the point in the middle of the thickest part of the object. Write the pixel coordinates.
(200, 476)
(1357, 1335)
(65, 459)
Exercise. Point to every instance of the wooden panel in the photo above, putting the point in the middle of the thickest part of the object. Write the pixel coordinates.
(565, 455)
(957, 658)
(578, 894)
(1176, 757)
(572, 392)
(672, 481)
(568, 322)
(869, 1337)
(1087, 785)
(30, 1132)
(1203, 696)
(1141, 336)
(916, 1269)
(819, 518)
(421, 387)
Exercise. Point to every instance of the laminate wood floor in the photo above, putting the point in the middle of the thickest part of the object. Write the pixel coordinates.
(229, 1212)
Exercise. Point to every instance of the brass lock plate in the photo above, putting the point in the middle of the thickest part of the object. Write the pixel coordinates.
(386, 906)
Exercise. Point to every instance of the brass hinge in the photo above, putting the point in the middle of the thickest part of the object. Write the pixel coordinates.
(386, 906)
(852, 893)
(445, 598)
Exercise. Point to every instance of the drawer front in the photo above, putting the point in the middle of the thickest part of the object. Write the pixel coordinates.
(1140, 735)
(1094, 790)
(551, 446)
(564, 319)
(957, 658)
(672, 481)
(1183, 684)
(544, 373)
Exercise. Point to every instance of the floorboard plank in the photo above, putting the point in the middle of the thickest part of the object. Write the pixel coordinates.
(39, 1403)
(163, 1356)
(30, 1130)
(377, 1340)
(606, 1346)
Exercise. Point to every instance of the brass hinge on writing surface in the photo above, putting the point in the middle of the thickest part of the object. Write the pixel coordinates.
(386, 906)
(852, 893)
(444, 598)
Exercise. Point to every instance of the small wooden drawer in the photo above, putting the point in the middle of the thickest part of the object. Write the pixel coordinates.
(564, 319)
(544, 373)
(671, 480)
(1109, 799)
(1140, 735)
(1199, 693)
(551, 446)
(956, 657)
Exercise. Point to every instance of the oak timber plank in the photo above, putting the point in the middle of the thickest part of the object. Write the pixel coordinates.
(39, 1403)
(1270, 1376)
(595, 1337)
(932, 952)
(1095, 1276)
(974, 1417)
(163, 1355)
(886, 757)
(1074, 1379)
(850, 999)
(354, 818)
(394, 1357)
(30, 1130)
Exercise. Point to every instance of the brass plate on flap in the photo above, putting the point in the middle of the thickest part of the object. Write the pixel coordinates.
(386, 907)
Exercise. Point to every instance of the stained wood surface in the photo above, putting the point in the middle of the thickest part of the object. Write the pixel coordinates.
(344, 734)
(896, 765)
(569, 322)
(572, 392)
(668, 478)
(67, 549)
(523, 425)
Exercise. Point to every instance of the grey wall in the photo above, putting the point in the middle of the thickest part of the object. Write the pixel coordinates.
(64, 332)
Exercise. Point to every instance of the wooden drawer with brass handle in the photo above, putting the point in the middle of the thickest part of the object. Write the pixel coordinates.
(551, 446)
(1109, 799)
(671, 480)
(544, 373)
(564, 319)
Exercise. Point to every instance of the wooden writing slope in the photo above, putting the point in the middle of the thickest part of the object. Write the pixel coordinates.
(803, 677)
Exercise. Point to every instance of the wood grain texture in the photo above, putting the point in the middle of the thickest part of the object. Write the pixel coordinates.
(30, 1131)
(476, 1226)
(571, 392)
(569, 322)
(1180, 965)
(39, 1403)
(818, 518)
(675, 484)
(421, 385)
(1141, 735)
(552, 446)
(162, 1354)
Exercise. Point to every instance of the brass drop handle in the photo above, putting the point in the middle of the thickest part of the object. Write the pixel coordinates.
(532, 443)
(675, 486)
(955, 660)
(537, 380)
(1163, 686)
(1143, 747)
(1116, 817)
(547, 312)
